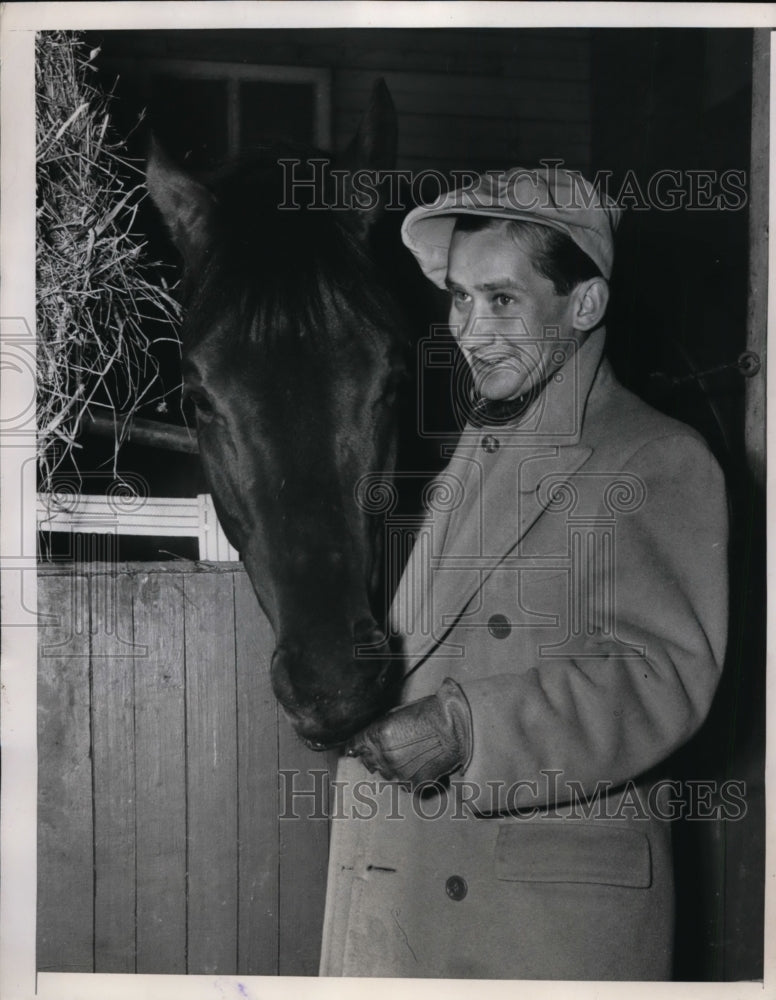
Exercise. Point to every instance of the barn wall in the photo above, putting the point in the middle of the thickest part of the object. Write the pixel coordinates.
(161, 847)
(467, 98)
(693, 92)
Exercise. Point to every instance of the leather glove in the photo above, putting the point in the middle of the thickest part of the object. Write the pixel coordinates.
(420, 742)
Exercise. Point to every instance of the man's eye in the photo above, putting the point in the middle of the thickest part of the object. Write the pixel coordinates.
(460, 298)
(504, 300)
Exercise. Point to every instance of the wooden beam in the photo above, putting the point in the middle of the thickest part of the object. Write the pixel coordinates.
(160, 770)
(153, 433)
(757, 313)
(65, 929)
(211, 775)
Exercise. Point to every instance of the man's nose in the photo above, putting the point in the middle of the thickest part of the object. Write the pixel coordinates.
(478, 330)
(478, 336)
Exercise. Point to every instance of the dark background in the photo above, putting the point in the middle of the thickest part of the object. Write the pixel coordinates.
(628, 102)
(617, 100)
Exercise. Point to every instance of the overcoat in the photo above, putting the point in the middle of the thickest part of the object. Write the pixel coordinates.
(571, 577)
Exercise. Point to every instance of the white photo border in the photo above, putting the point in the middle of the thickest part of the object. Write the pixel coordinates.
(20, 21)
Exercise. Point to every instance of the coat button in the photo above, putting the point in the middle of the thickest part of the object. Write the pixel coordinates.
(499, 626)
(490, 444)
(456, 887)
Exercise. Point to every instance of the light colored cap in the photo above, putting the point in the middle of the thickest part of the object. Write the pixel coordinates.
(549, 196)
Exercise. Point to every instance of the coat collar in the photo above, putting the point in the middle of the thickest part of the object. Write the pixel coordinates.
(493, 498)
(556, 415)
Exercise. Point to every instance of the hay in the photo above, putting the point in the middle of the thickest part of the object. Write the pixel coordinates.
(97, 292)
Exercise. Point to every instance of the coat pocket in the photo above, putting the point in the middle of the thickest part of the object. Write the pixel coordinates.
(564, 852)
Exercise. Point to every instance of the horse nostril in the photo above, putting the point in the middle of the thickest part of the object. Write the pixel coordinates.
(367, 633)
(362, 627)
(387, 675)
(317, 745)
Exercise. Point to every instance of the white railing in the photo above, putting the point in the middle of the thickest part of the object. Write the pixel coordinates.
(185, 517)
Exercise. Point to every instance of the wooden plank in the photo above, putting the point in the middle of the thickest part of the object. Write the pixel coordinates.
(745, 881)
(445, 138)
(456, 60)
(577, 158)
(757, 310)
(160, 774)
(211, 755)
(65, 834)
(474, 128)
(113, 756)
(437, 93)
(506, 55)
(214, 546)
(304, 852)
(167, 567)
(353, 46)
(257, 786)
(91, 513)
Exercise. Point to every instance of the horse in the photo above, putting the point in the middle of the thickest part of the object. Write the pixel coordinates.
(294, 354)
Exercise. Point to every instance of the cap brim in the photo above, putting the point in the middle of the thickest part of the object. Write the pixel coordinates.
(428, 234)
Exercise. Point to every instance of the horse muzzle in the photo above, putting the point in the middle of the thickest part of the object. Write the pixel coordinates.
(328, 696)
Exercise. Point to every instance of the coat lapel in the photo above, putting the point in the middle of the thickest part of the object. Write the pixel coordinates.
(410, 610)
(496, 497)
(452, 560)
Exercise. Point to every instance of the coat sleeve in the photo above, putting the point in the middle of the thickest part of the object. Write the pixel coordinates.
(605, 716)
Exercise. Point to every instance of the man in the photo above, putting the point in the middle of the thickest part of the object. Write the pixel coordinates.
(563, 619)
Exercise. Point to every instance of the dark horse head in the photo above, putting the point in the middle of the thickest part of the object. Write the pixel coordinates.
(293, 350)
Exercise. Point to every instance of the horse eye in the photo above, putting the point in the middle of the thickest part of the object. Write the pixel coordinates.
(201, 402)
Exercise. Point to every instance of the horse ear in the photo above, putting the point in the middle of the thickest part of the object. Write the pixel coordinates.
(186, 206)
(373, 148)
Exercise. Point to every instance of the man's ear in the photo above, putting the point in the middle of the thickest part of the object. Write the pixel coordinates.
(186, 206)
(373, 148)
(591, 298)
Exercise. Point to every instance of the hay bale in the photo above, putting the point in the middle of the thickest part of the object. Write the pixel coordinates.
(97, 291)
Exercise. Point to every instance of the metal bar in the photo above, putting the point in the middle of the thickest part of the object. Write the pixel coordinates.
(153, 433)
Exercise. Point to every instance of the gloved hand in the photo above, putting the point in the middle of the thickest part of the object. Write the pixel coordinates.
(420, 742)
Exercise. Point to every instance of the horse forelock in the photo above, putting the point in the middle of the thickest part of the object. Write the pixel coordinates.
(271, 273)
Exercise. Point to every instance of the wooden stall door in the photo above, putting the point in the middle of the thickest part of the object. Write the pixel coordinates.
(168, 780)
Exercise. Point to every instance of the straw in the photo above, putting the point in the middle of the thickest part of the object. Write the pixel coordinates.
(97, 289)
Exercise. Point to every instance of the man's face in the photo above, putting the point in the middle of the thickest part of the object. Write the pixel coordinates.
(507, 318)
